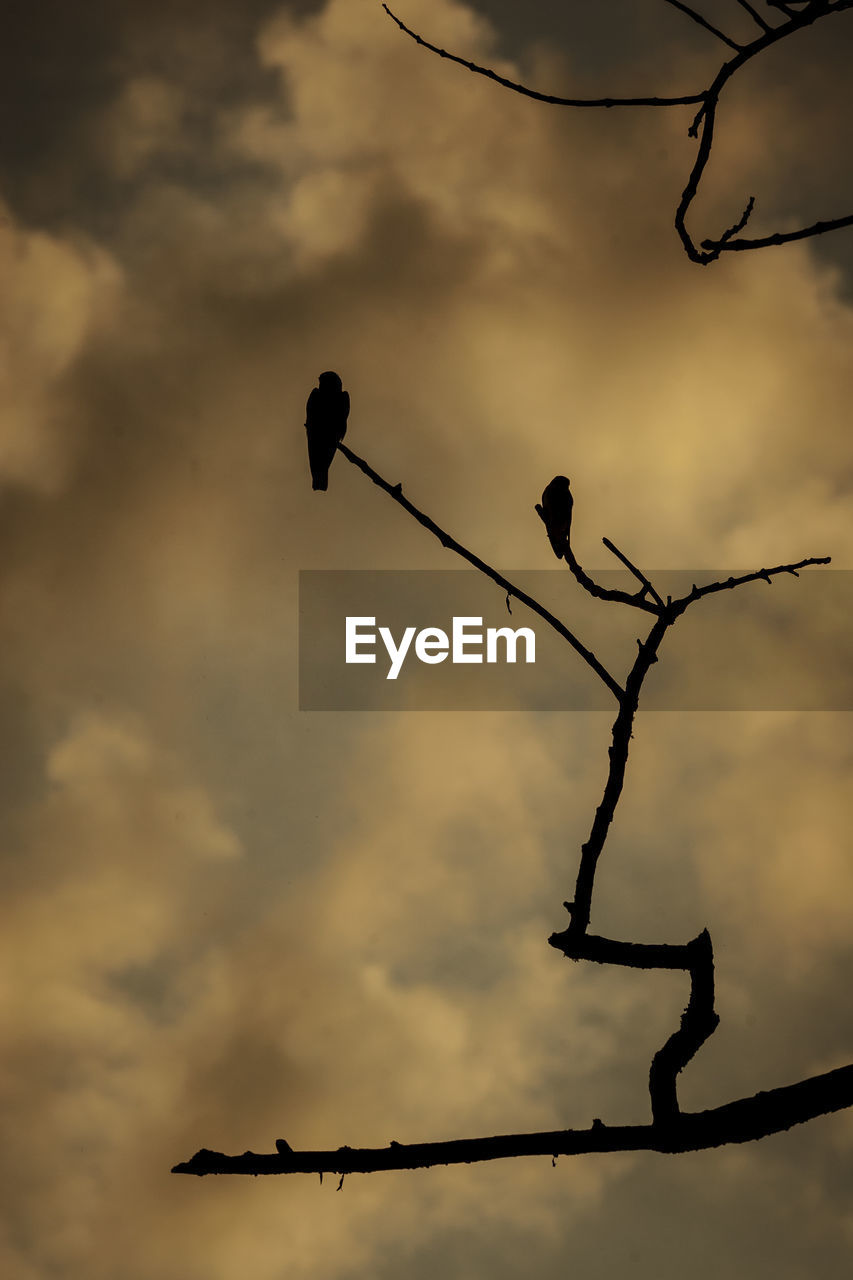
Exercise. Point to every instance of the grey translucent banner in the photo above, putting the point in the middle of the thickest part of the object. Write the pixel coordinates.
(760, 647)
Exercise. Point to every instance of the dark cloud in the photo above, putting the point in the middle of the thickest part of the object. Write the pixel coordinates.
(63, 67)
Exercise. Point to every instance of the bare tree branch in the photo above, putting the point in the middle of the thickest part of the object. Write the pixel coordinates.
(745, 1120)
(780, 237)
(737, 226)
(702, 126)
(533, 93)
(641, 577)
(706, 117)
(703, 22)
(637, 598)
(396, 492)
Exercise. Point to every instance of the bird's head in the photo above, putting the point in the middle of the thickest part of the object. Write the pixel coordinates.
(330, 381)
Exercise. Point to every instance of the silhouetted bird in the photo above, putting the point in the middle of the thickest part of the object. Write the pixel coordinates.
(326, 423)
(556, 512)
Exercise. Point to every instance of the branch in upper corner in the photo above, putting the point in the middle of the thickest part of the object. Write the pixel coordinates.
(711, 249)
(680, 101)
(555, 512)
(778, 237)
(396, 492)
(736, 227)
(677, 607)
(641, 577)
(699, 1020)
(708, 250)
(637, 598)
(703, 22)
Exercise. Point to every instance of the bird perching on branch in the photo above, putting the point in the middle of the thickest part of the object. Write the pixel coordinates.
(556, 514)
(326, 424)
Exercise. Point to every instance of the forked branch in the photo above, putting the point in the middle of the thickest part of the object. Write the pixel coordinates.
(671, 1129)
(702, 126)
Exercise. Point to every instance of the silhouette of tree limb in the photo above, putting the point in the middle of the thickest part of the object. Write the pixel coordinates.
(671, 1129)
(755, 15)
(702, 126)
(746, 1120)
(780, 237)
(681, 100)
(621, 737)
(637, 599)
(580, 908)
(395, 491)
(703, 22)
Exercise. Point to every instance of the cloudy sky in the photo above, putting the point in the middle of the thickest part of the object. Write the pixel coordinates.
(226, 920)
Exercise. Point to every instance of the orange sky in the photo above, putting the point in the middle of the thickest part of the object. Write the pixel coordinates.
(226, 921)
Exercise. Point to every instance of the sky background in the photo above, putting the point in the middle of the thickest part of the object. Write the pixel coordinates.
(226, 921)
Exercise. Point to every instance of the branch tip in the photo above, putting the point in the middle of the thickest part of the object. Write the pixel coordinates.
(703, 22)
(550, 99)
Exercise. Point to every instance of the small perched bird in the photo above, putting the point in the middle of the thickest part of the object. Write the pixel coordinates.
(556, 513)
(326, 423)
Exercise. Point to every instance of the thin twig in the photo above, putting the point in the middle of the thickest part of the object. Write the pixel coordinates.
(699, 1020)
(618, 757)
(396, 492)
(702, 126)
(677, 607)
(739, 225)
(711, 249)
(703, 22)
(533, 93)
(641, 577)
(637, 598)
